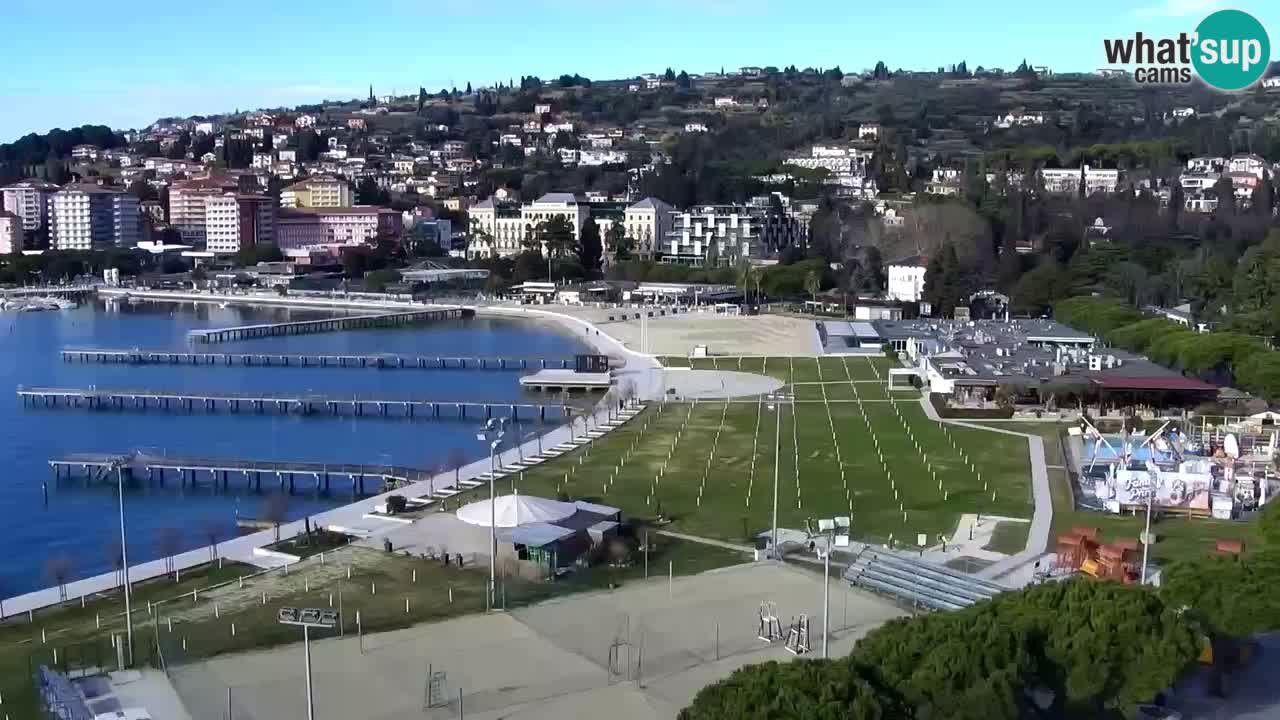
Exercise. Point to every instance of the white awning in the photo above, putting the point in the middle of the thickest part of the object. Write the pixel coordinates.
(514, 510)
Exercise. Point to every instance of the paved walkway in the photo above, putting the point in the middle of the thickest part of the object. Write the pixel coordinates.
(705, 541)
(1041, 518)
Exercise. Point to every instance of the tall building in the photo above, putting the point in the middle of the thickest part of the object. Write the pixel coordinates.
(321, 191)
(237, 222)
(906, 278)
(187, 204)
(92, 217)
(29, 200)
(11, 233)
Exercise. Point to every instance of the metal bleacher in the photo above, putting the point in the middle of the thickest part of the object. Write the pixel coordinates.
(920, 583)
(60, 697)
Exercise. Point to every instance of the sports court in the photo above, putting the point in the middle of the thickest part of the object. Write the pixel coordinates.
(642, 651)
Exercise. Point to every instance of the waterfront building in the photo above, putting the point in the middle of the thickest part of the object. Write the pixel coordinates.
(237, 222)
(92, 217)
(187, 204)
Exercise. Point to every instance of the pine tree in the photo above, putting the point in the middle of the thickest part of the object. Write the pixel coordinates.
(468, 87)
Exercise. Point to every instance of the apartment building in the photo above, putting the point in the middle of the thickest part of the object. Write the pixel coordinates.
(11, 233)
(906, 278)
(1067, 180)
(720, 234)
(187, 204)
(91, 217)
(29, 200)
(321, 191)
(234, 222)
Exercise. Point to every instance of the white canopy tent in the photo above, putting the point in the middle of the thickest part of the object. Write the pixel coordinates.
(514, 510)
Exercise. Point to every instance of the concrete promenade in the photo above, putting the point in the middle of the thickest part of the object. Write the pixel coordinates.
(1042, 516)
(643, 372)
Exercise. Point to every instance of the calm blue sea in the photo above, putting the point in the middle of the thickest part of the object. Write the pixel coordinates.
(80, 522)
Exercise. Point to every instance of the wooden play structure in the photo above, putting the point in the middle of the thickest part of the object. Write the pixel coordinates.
(1080, 551)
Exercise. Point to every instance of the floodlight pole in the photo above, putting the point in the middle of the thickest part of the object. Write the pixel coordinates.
(493, 531)
(777, 462)
(306, 649)
(1146, 535)
(826, 595)
(124, 564)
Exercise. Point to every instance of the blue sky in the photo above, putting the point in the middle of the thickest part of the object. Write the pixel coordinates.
(79, 61)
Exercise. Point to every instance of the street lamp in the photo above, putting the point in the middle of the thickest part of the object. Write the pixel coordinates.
(124, 563)
(835, 533)
(308, 618)
(494, 431)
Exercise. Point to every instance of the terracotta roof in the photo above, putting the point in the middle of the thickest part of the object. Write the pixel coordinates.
(1153, 382)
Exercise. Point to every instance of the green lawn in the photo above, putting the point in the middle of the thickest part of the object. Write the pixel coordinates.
(1008, 537)
(718, 480)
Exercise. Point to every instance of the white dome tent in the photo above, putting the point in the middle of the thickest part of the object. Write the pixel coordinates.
(515, 510)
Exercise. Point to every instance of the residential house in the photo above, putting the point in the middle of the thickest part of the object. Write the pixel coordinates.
(357, 123)
(1018, 118)
(945, 181)
(85, 153)
(725, 101)
(1068, 180)
(868, 131)
(1184, 112)
(542, 109)
(303, 122)
(906, 278)
(1250, 163)
(695, 127)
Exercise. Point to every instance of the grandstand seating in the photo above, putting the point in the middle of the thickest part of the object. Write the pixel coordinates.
(917, 582)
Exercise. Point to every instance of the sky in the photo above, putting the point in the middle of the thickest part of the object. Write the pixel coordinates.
(83, 61)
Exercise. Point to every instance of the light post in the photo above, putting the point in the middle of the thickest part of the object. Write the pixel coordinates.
(775, 403)
(494, 430)
(124, 564)
(835, 533)
(308, 618)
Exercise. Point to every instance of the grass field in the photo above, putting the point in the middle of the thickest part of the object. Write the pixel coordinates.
(843, 447)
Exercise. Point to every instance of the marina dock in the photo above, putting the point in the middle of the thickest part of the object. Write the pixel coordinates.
(291, 404)
(382, 361)
(336, 324)
(218, 473)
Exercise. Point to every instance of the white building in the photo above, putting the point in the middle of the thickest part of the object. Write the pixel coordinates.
(304, 121)
(90, 217)
(542, 109)
(601, 157)
(945, 181)
(236, 222)
(1184, 112)
(1207, 164)
(1271, 83)
(1067, 180)
(695, 127)
(205, 128)
(725, 101)
(187, 205)
(868, 131)
(29, 200)
(501, 231)
(1018, 118)
(716, 234)
(1247, 163)
(647, 223)
(906, 279)
(11, 233)
(85, 153)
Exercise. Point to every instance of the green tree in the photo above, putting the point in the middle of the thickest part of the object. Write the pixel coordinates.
(618, 243)
(590, 248)
(812, 284)
(555, 236)
(945, 284)
(819, 689)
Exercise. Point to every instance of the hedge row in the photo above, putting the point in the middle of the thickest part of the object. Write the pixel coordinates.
(1248, 362)
(947, 411)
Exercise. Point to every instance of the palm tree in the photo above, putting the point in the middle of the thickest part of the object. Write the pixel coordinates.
(746, 273)
(812, 284)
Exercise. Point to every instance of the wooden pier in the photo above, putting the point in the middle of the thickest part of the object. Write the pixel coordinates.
(336, 324)
(219, 473)
(285, 404)
(382, 361)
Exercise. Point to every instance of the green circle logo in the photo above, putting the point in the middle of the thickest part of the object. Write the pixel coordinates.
(1232, 50)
